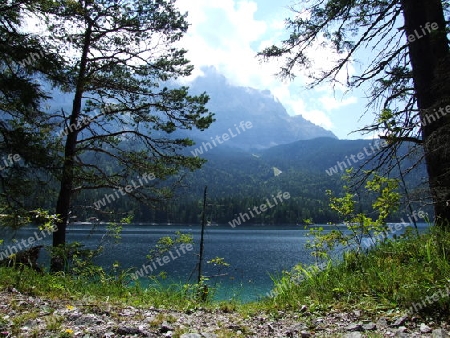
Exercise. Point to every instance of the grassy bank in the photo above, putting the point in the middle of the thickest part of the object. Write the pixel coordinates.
(93, 291)
(411, 274)
(395, 275)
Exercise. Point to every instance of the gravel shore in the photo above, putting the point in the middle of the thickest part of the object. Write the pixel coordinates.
(27, 316)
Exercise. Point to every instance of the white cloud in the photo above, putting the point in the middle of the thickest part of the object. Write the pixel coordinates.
(296, 105)
(332, 103)
(227, 34)
(221, 35)
(316, 116)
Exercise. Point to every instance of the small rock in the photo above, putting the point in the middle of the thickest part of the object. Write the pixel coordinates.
(400, 321)
(402, 329)
(353, 335)
(298, 327)
(127, 313)
(262, 319)
(150, 319)
(209, 335)
(128, 330)
(290, 334)
(382, 322)
(357, 313)
(89, 319)
(424, 328)
(165, 327)
(317, 321)
(305, 334)
(401, 332)
(303, 308)
(354, 327)
(369, 327)
(234, 327)
(439, 333)
(191, 335)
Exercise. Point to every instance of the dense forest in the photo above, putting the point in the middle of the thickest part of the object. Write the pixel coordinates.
(93, 106)
(238, 180)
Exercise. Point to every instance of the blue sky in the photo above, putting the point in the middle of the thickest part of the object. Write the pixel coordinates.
(227, 34)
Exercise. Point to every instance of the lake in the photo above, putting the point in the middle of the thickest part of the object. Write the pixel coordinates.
(255, 253)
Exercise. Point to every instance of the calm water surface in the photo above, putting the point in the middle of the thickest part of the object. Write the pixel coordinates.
(255, 253)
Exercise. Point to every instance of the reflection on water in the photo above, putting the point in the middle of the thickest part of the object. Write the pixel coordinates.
(255, 253)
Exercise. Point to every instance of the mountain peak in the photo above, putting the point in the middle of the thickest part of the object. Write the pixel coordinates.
(271, 124)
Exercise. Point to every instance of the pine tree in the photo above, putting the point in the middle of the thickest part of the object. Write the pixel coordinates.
(408, 71)
(25, 145)
(114, 105)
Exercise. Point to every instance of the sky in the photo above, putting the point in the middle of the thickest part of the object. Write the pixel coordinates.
(227, 34)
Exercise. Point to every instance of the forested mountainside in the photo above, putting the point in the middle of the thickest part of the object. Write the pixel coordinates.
(239, 179)
(254, 150)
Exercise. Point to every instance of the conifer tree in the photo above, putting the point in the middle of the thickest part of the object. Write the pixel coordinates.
(408, 71)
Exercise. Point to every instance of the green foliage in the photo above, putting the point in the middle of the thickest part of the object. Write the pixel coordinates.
(124, 104)
(394, 275)
(167, 243)
(95, 291)
(386, 201)
(407, 79)
(25, 130)
(218, 261)
(78, 261)
(114, 229)
(308, 221)
(219, 265)
(44, 219)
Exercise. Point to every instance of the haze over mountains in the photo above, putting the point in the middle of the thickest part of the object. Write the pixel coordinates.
(271, 124)
(244, 169)
(262, 151)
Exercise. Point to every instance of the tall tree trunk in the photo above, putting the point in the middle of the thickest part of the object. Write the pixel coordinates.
(429, 55)
(66, 189)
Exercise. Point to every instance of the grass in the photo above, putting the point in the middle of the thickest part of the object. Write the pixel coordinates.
(88, 292)
(390, 277)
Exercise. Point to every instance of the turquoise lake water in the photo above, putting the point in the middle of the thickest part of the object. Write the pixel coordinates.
(255, 253)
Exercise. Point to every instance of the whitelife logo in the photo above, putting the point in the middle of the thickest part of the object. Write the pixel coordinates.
(25, 244)
(341, 166)
(417, 215)
(128, 190)
(429, 27)
(9, 162)
(225, 137)
(147, 269)
(429, 300)
(243, 217)
(86, 120)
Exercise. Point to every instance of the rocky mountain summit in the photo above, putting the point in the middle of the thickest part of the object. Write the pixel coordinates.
(271, 123)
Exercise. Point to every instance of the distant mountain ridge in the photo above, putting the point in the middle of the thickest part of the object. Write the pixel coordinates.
(271, 124)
